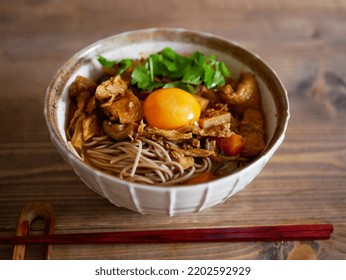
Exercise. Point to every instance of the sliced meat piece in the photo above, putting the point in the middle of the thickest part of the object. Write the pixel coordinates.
(252, 129)
(220, 131)
(127, 109)
(81, 84)
(213, 96)
(82, 100)
(77, 138)
(170, 134)
(185, 161)
(90, 127)
(192, 152)
(110, 89)
(91, 105)
(245, 97)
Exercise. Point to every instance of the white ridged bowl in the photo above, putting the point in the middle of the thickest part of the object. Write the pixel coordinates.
(147, 199)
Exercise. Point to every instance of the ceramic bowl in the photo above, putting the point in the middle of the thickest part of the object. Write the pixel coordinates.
(174, 200)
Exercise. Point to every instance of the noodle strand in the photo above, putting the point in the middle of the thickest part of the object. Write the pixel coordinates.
(141, 160)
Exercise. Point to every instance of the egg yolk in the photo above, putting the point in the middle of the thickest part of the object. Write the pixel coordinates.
(171, 108)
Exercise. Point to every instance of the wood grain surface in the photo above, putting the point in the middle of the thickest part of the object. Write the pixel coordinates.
(304, 182)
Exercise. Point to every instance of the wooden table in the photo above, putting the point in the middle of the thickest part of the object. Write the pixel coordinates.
(305, 181)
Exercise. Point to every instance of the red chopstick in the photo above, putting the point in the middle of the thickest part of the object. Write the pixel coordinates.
(237, 234)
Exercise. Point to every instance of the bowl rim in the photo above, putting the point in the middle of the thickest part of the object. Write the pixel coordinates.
(71, 65)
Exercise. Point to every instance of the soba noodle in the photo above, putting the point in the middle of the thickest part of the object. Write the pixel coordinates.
(141, 160)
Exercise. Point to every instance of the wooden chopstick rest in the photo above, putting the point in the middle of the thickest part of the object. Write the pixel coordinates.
(28, 214)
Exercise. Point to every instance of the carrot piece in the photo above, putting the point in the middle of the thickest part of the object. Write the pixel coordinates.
(231, 146)
(202, 178)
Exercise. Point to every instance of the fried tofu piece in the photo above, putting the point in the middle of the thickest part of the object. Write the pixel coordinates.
(221, 118)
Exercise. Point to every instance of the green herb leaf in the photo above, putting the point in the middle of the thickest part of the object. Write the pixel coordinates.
(199, 58)
(106, 62)
(225, 70)
(169, 53)
(123, 63)
(141, 77)
(193, 76)
(154, 85)
(183, 71)
(126, 63)
(180, 85)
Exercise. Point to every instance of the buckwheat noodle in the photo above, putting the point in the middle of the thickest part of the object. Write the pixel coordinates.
(140, 160)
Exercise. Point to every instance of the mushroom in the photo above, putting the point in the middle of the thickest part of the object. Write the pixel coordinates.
(119, 131)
